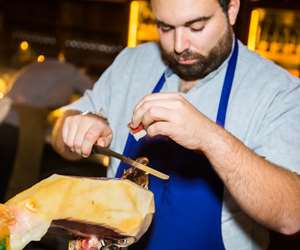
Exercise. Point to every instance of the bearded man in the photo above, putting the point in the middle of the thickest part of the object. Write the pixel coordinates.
(221, 121)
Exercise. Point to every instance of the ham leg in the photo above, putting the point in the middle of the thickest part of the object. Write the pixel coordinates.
(109, 209)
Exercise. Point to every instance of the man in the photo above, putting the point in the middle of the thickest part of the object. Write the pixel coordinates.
(205, 96)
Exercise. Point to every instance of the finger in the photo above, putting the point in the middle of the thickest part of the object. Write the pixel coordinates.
(91, 136)
(104, 141)
(85, 125)
(65, 130)
(101, 142)
(161, 128)
(150, 106)
(156, 114)
(106, 137)
(159, 96)
(71, 132)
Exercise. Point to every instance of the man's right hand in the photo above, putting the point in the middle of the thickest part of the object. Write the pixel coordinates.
(75, 134)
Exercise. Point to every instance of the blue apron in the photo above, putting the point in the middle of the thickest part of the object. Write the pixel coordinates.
(188, 206)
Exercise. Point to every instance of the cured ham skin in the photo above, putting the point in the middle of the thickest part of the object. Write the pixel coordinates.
(90, 208)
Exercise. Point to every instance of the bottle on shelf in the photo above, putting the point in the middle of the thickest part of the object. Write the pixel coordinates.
(263, 43)
(289, 46)
(275, 43)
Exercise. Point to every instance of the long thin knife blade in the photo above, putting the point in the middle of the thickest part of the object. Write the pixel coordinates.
(106, 151)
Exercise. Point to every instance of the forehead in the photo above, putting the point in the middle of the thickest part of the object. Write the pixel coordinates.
(177, 12)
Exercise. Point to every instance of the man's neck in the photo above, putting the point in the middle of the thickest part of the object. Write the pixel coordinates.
(185, 86)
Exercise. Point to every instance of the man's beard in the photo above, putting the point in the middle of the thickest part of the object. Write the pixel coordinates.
(204, 64)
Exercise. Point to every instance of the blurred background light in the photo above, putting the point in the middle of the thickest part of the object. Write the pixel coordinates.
(41, 58)
(24, 45)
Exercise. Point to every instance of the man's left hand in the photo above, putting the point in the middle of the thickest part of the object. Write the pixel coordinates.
(170, 114)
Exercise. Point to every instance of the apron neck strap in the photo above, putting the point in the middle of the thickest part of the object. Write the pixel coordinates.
(227, 85)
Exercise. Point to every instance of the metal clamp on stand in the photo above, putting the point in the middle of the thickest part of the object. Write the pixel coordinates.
(95, 244)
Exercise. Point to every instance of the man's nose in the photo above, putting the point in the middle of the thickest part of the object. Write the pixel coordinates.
(181, 42)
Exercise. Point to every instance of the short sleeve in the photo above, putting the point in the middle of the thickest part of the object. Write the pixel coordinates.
(278, 139)
(95, 99)
(98, 98)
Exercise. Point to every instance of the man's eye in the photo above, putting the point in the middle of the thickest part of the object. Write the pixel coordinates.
(197, 28)
(164, 28)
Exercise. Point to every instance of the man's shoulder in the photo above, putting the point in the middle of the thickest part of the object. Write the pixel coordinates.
(149, 47)
(142, 57)
(263, 70)
(143, 52)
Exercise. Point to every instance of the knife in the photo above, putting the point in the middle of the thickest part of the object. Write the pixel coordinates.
(106, 151)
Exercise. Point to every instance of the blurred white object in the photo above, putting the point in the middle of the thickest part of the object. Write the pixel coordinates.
(5, 105)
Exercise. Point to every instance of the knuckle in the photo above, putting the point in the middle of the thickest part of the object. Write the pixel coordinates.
(178, 103)
(77, 145)
(147, 96)
(152, 111)
(90, 136)
(83, 118)
(86, 119)
(67, 120)
(96, 129)
(75, 118)
(179, 96)
(144, 106)
(153, 130)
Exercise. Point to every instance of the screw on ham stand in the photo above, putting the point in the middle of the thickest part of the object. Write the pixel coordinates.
(96, 244)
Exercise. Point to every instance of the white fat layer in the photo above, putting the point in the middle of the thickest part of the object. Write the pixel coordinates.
(28, 227)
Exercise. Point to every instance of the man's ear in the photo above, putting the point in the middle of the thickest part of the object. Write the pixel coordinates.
(233, 10)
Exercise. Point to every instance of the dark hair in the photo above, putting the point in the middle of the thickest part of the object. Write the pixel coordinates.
(224, 4)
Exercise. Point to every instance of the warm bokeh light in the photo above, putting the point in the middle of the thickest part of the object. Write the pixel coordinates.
(133, 23)
(61, 57)
(142, 25)
(54, 115)
(41, 58)
(3, 87)
(105, 160)
(254, 25)
(24, 45)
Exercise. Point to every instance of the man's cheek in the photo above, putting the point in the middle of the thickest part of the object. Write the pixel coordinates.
(166, 44)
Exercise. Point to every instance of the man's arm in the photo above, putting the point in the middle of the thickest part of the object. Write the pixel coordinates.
(268, 193)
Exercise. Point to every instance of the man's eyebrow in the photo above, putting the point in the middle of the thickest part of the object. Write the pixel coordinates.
(161, 23)
(199, 19)
(188, 23)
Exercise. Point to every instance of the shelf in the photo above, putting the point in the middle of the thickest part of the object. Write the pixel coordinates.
(285, 59)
